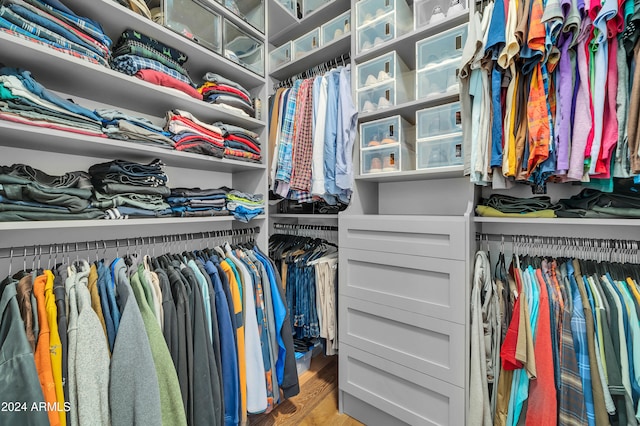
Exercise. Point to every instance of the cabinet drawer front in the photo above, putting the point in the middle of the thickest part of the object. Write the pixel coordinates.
(428, 345)
(433, 236)
(424, 285)
(412, 397)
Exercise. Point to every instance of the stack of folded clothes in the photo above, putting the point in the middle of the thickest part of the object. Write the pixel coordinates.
(240, 143)
(243, 206)
(30, 194)
(498, 205)
(227, 94)
(150, 60)
(192, 135)
(118, 125)
(24, 100)
(50, 23)
(196, 202)
(131, 189)
(623, 202)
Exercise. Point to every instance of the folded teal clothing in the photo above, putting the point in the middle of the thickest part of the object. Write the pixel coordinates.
(121, 188)
(141, 201)
(5, 200)
(7, 211)
(33, 193)
(617, 211)
(73, 183)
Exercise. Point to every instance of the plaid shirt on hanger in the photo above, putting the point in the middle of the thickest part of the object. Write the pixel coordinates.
(303, 141)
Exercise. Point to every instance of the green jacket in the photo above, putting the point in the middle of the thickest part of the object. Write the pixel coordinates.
(173, 412)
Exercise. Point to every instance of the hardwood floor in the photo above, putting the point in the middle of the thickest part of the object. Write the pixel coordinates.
(317, 402)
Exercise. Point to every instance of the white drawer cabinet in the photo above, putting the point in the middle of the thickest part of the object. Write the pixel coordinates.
(402, 301)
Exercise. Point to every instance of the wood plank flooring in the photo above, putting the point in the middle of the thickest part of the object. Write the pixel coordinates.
(317, 402)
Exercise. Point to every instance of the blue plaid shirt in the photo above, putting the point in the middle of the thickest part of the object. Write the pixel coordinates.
(90, 27)
(131, 64)
(14, 22)
(579, 330)
(285, 152)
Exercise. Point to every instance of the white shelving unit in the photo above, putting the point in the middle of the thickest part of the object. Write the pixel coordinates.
(406, 250)
(67, 74)
(283, 28)
(322, 54)
(115, 18)
(57, 152)
(407, 246)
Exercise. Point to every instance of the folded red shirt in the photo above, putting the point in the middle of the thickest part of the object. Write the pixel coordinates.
(161, 79)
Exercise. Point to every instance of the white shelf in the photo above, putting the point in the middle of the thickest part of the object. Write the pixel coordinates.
(43, 139)
(413, 175)
(67, 74)
(74, 224)
(560, 221)
(318, 56)
(284, 27)
(623, 229)
(407, 110)
(16, 234)
(115, 18)
(302, 216)
(405, 45)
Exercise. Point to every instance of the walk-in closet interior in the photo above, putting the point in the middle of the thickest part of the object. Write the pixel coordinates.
(339, 212)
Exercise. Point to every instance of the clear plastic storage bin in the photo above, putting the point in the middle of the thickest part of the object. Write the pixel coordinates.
(441, 151)
(310, 6)
(437, 121)
(387, 131)
(303, 361)
(385, 146)
(280, 56)
(377, 98)
(382, 82)
(379, 21)
(336, 28)
(243, 49)
(437, 82)
(438, 63)
(289, 6)
(251, 11)
(386, 159)
(306, 44)
(432, 12)
(194, 22)
(441, 49)
(381, 70)
(368, 11)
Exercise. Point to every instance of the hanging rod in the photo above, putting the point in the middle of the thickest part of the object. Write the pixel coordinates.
(79, 246)
(315, 70)
(295, 226)
(560, 241)
(612, 250)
